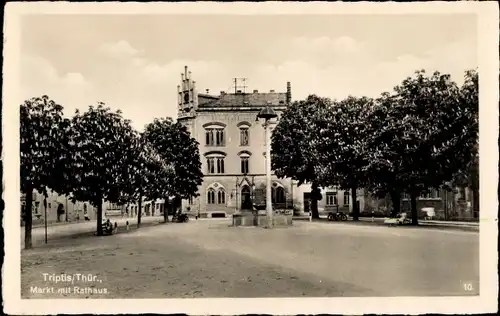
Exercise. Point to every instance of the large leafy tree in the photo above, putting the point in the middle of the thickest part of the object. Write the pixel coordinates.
(150, 177)
(175, 146)
(424, 140)
(295, 145)
(101, 143)
(44, 152)
(344, 147)
(469, 100)
(469, 97)
(386, 161)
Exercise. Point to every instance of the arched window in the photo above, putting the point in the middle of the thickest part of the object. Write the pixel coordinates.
(244, 161)
(244, 136)
(211, 196)
(278, 194)
(244, 133)
(221, 196)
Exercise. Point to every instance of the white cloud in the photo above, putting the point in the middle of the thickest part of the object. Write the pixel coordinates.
(120, 49)
(39, 77)
(145, 89)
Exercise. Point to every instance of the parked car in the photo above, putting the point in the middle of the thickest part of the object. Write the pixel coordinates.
(400, 219)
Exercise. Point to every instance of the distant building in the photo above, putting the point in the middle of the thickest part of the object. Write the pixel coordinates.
(77, 211)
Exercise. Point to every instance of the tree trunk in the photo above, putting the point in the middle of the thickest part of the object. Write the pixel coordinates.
(28, 219)
(475, 201)
(99, 216)
(314, 200)
(396, 202)
(414, 211)
(355, 208)
(165, 210)
(140, 209)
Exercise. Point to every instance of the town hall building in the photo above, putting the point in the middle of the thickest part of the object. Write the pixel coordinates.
(232, 147)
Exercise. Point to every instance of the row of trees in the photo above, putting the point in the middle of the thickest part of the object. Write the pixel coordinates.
(98, 156)
(423, 135)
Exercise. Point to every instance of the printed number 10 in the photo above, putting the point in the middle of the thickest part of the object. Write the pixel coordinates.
(468, 286)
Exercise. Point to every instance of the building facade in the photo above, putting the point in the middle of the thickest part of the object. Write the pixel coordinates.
(232, 148)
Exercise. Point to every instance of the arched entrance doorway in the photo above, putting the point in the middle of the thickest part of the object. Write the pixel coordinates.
(246, 198)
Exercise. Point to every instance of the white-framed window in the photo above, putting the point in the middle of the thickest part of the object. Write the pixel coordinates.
(346, 198)
(331, 198)
(278, 194)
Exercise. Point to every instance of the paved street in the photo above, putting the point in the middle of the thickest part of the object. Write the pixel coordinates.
(209, 259)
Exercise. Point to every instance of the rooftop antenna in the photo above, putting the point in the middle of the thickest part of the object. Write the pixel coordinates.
(243, 85)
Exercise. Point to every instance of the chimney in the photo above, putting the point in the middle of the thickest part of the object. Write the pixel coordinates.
(255, 91)
(271, 91)
(186, 71)
(288, 93)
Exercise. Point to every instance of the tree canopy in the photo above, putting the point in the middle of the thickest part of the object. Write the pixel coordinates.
(174, 145)
(102, 142)
(43, 151)
(295, 141)
(420, 136)
(343, 146)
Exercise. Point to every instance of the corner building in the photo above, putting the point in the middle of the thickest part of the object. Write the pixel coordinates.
(232, 148)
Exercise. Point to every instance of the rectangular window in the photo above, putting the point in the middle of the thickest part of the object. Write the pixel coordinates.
(220, 165)
(244, 137)
(425, 195)
(208, 135)
(331, 198)
(346, 197)
(220, 138)
(190, 200)
(210, 165)
(244, 165)
(462, 193)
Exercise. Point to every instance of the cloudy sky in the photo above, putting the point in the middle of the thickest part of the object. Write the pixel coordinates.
(134, 62)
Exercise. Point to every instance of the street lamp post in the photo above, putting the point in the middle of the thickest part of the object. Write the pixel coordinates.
(267, 114)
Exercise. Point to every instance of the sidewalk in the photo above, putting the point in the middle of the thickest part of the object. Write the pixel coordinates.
(380, 221)
(88, 228)
(118, 219)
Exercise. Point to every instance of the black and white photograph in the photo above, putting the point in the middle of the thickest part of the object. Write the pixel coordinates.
(239, 158)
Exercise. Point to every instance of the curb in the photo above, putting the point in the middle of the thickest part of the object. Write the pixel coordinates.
(436, 225)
